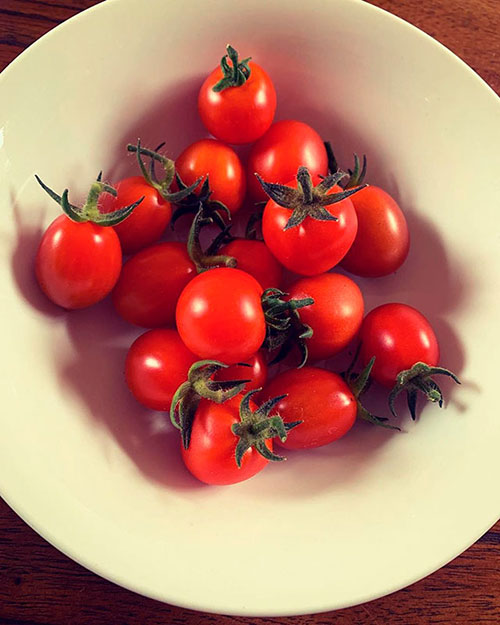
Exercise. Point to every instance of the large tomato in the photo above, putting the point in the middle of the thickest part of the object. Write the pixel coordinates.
(255, 258)
(150, 284)
(317, 397)
(219, 315)
(286, 146)
(237, 101)
(336, 315)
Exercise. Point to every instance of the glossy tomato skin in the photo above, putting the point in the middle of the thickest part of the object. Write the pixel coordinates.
(256, 372)
(150, 283)
(398, 336)
(286, 146)
(149, 219)
(255, 258)
(223, 166)
(211, 453)
(238, 114)
(383, 239)
(317, 397)
(77, 264)
(336, 315)
(313, 246)
(157, 364)
(219, 315)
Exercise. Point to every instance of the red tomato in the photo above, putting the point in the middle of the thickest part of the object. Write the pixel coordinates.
(210, 456)
(336, 315)
(149, 219)
(285, 147)
(223, 166)
(255, 258)
(317, 397)
(382, 241)
(398, 336)
(219, 315)
(77, 264)
(314, 246)
(256, 372)
(157, 364)
(238, 114)
(150, 284)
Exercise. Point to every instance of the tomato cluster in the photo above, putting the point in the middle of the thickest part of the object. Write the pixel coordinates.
(216, 316)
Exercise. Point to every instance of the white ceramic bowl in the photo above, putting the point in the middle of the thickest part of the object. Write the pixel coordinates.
(99, 477)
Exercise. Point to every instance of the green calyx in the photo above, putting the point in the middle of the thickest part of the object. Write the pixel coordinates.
(208, 259)
(419, 379)
(284, 328)
(356, 175)
(198, 386)
(235, 72)
(191, 202)
(162, 186)
(307, 200)
(256, 427)
(90, 212)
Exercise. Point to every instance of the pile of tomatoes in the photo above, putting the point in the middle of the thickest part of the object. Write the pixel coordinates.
(217, 313)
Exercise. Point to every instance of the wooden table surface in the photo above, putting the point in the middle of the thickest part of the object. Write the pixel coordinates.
(39, 585)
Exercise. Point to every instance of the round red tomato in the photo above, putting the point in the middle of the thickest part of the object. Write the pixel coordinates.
(211, 455)
(317, 397)
(157, 364)
(148, 221)
(219, 315)
(336, 315)
(256, 372)
(255, 258)
(243, 110)
(398, 336)
(223, 166)
(285, 147)
(150, 284)
(314, 246)
(383, 240)
(77, 264)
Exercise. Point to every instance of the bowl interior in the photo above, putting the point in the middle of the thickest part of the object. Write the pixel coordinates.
(99, 476)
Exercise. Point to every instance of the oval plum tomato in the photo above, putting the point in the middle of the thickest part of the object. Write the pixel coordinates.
(223, 166)
(256, 372)
(150, 284)
(157, 364)
(255, 258)
(312, 245)
(382, 241)
(319, 398)
(398, 336)
(237, 101)
(148, 221)
(77, 264)
(336, 315)
(286, 146)
(219, 315)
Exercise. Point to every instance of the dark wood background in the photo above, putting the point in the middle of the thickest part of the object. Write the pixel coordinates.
(39, 585)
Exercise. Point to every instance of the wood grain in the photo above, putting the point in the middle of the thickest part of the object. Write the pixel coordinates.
(39, 585)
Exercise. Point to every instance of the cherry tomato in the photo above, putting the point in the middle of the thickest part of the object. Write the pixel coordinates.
(219, 315)
(317, 397)
(148, 221)
(150, 284)
(238, 114)
(223, 166)
(336, 315)
(285, 147)
(314, 246)
(382, 241)
(210, 456)
(157, 364)
(255, 258)
(77, 264)
(256, 372)
(398, 336)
